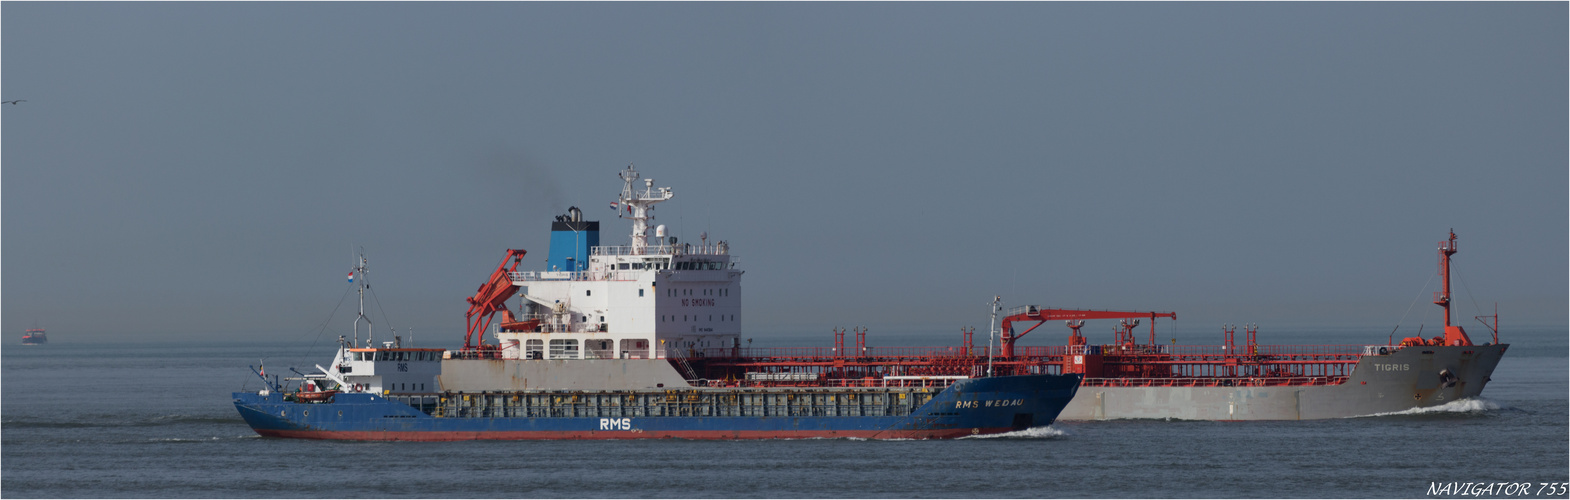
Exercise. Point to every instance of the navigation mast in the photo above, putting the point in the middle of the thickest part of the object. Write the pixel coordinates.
(359, 269)
(1454, 335)
(640, 207)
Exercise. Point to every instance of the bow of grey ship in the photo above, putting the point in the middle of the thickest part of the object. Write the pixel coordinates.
(640, 341)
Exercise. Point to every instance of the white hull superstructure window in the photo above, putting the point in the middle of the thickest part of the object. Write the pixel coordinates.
(564, 348)
(599, 349)
(634, 349)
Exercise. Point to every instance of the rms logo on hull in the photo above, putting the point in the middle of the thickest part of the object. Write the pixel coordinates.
(615, 424)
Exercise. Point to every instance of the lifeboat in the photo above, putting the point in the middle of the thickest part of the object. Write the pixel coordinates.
(521, 326)
(314, 397)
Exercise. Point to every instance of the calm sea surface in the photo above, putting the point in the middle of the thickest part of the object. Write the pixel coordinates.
(90, 419)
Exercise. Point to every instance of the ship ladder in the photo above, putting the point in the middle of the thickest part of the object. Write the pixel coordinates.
(687, 369)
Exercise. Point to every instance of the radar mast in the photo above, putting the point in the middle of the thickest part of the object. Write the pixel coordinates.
(640, 207)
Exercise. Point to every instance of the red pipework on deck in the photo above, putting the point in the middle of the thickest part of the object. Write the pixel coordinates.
(491, 298)
(1139, 365)
(1075, 338)
(1042, 315)
(1253, 338)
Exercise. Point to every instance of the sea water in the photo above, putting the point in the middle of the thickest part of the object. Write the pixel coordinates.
(99, 418)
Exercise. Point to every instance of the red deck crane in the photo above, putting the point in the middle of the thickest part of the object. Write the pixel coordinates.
(491, 297)
(1039, 315)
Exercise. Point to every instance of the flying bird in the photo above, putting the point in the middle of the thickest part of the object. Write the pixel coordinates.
(13, 103)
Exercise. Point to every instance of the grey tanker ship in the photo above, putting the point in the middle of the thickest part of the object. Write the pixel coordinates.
(1248, 381)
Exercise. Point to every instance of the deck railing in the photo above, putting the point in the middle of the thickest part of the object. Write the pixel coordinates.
(615, 275)
(1040, 351)
(1263, 350)
(831, 352)
(677, 249)
(1212, 381)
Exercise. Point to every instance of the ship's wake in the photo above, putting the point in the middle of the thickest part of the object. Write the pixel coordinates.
(1047, 432)
(1468, 405)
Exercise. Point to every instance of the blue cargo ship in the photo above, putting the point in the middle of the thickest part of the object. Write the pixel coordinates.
(969, 407)
(640, 341)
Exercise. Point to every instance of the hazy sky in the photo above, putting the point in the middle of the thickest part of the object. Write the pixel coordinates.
(203, 168)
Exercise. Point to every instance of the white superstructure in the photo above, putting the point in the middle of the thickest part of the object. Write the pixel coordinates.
(638, 301)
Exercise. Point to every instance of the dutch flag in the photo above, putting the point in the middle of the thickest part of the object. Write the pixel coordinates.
(613, 205)
(351, 277)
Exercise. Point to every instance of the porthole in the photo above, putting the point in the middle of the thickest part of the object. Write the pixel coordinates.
(340, 413)
(307, 413)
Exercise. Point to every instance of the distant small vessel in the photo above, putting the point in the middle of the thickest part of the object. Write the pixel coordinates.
(35, 336)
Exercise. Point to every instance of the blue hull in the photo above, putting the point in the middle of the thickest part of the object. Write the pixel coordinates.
(972, 406)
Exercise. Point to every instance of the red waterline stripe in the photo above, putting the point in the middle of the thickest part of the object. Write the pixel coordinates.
(530, 435)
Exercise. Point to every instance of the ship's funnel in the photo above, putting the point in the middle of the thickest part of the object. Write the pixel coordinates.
(571, 239)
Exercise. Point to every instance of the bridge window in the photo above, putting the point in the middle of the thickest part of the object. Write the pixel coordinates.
(587, 293)
(640, 292)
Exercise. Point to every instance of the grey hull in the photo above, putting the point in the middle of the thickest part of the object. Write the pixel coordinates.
(1407, 378)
